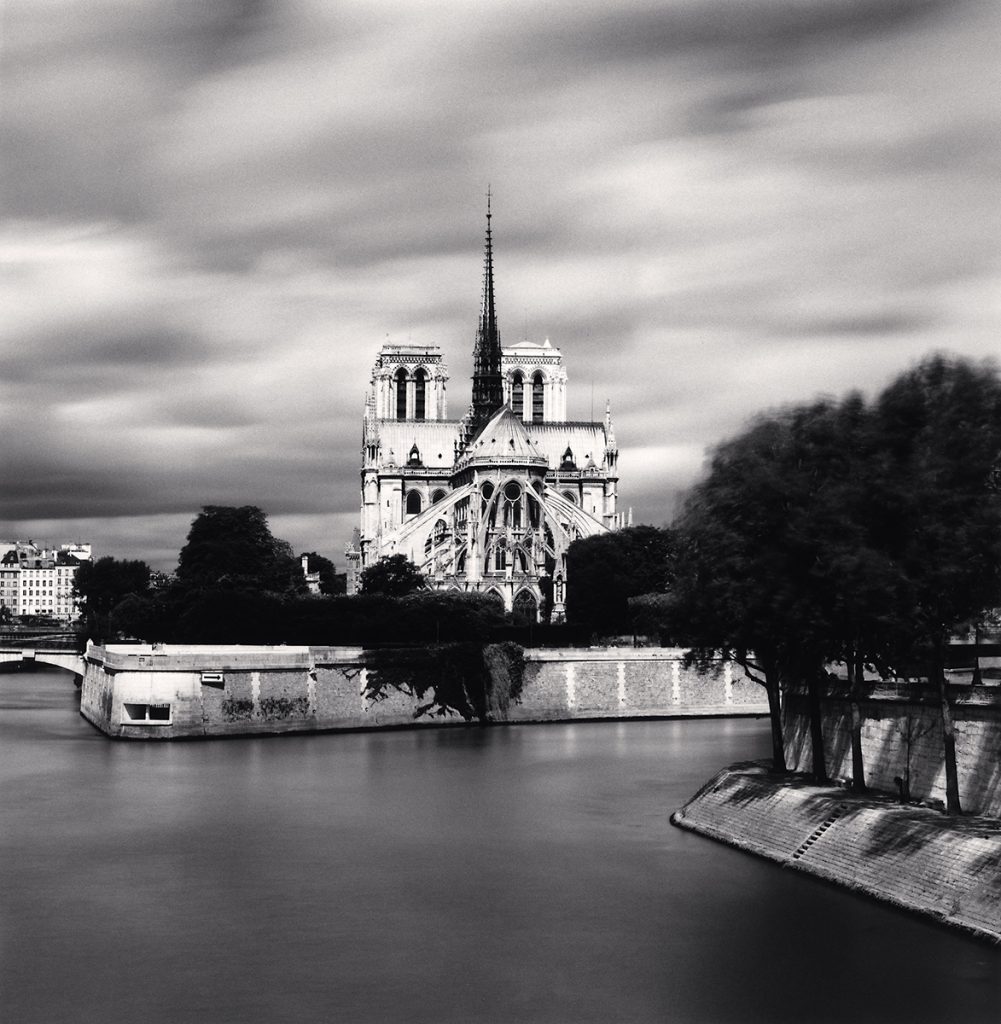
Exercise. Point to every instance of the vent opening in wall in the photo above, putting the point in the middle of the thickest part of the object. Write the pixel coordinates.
(147, 714)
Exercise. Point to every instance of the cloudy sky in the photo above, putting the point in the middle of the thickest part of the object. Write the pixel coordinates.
(215, 211)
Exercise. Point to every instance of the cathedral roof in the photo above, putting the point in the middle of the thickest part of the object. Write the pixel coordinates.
(516, 441)
(435, 440)
(586, 440)
(504, 439)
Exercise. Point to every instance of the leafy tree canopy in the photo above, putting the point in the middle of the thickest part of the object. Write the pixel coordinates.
(841, 531)
(392, 576)
(233, 547)
(104, 583)
(605, 571)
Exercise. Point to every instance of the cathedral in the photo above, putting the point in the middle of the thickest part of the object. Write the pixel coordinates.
(492, 501)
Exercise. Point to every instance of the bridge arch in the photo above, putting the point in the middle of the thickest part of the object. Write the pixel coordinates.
(69, 661)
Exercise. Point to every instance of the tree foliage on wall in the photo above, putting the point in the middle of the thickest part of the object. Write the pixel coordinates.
(472, 680)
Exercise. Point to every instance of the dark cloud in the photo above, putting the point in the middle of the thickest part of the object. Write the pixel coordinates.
(877, 324)
(763, 31)
(216, 213)
(100, 357)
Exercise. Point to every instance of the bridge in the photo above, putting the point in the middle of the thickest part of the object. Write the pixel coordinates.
(61, 650)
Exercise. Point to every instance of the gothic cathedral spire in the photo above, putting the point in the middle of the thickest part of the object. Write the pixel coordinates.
(488, 381)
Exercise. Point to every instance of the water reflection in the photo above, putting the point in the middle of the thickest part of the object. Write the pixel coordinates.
(521, 874)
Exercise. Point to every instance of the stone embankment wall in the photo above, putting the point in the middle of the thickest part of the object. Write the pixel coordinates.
(902, 740)
(163, 691)
(912, 857)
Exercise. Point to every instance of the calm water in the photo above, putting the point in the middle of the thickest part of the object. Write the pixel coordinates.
(520, 874)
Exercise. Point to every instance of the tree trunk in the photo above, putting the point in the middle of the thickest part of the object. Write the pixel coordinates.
(775, 717)
(855, 684)
(976, 679)
(948, 732)
(816, 725)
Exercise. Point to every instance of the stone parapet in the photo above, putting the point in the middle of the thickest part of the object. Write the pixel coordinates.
(164, 691)
(902, 745)
(948, 869)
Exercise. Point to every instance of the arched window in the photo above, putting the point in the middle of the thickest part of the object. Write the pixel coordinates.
(538, 398)
(518, 395)
(413, 503)
(438, 495)
(420, 391)
(512, 505)
(401, 394)
(526, 608)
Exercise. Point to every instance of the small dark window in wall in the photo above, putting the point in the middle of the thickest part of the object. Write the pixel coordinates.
(144, 714)
(518, 396)
(419, 395)
(401, 394)
(538, 399)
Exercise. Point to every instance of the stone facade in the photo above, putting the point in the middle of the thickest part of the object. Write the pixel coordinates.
(486, 504)
(38, 580)
(164, 692)
(948, 869)
(902, 740)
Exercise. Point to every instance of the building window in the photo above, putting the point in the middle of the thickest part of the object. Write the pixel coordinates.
(538, 398)
(413, 503)
(420, 391)
(512, 505)
(401, 394)
(518, 395)
(146, 714)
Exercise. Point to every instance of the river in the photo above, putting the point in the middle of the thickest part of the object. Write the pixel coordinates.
(517, 874)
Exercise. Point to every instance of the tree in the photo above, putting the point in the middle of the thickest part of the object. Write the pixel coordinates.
(233, 548)
(392, 576)
(606, 570)
(103, 585)
(836, 531)
(736, 565)
(941, 423)
(776, 564)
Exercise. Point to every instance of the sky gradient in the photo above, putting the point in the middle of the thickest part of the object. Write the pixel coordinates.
(216, 211)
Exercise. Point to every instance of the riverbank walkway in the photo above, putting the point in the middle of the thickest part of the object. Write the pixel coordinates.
(915, 857)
